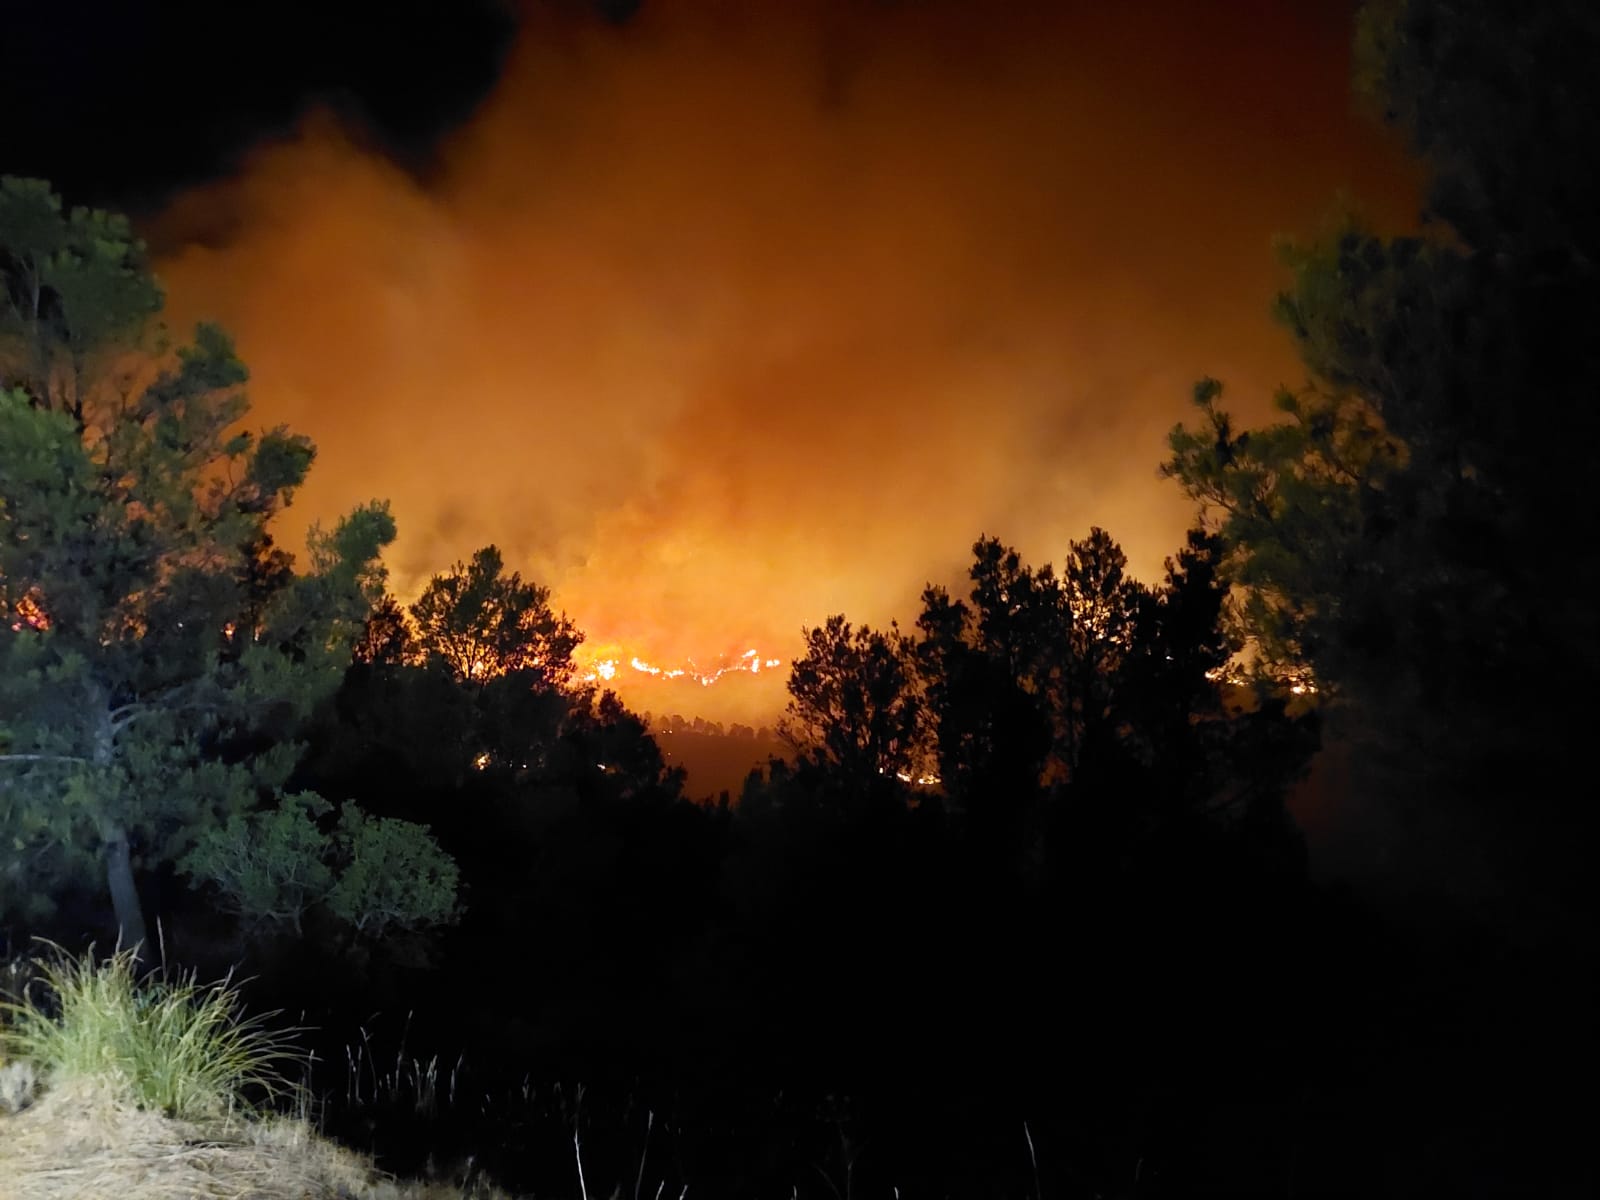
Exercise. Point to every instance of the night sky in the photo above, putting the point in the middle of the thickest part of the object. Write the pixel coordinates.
(719, 317)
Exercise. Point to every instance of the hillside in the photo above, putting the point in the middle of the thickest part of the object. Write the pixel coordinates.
(717, 757)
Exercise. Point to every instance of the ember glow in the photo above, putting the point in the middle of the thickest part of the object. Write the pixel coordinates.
(720, 323)
(30, 616)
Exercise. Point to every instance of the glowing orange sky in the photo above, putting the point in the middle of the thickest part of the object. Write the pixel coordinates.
(744, 314)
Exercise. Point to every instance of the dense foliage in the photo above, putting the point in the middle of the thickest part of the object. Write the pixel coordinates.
(156, 652)
(1403, 532)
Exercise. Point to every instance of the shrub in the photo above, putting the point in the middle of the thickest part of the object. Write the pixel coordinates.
(268, 867)
(374, 874)
(394, 875)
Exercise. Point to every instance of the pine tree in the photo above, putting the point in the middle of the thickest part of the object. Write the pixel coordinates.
(155, 653)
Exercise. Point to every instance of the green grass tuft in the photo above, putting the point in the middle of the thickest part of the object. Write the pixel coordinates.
(174, 1045)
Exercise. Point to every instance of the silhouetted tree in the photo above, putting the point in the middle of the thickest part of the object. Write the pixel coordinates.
(854, 705)
(622, 749)
(482, 622)
(1105, 607)
(386, 639)
(990, 670)
(1206, 742)
(1176, 671)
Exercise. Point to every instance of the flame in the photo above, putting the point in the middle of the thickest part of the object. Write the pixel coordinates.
(1298, 683)
(29, 615)
(604, 664)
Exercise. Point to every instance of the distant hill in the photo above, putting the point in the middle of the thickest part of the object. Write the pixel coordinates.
(717, 757)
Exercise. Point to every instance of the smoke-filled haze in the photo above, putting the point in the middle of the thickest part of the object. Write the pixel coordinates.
(737, 315)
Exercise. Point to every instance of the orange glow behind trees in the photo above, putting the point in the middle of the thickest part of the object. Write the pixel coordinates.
(719, 323)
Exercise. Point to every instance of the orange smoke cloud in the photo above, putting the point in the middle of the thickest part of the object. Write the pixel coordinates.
(740, 315)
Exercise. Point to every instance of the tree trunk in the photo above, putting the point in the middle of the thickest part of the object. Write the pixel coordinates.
(119, 859)
(124, 896)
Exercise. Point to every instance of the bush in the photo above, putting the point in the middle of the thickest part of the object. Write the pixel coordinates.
(394, 875)
(171, 1045)
(269, 867)
(374, 874)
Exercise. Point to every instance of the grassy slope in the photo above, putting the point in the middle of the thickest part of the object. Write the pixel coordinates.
(113, 1088)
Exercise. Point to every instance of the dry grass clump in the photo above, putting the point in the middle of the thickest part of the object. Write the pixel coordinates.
(135, 1092)
(170, 1044)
